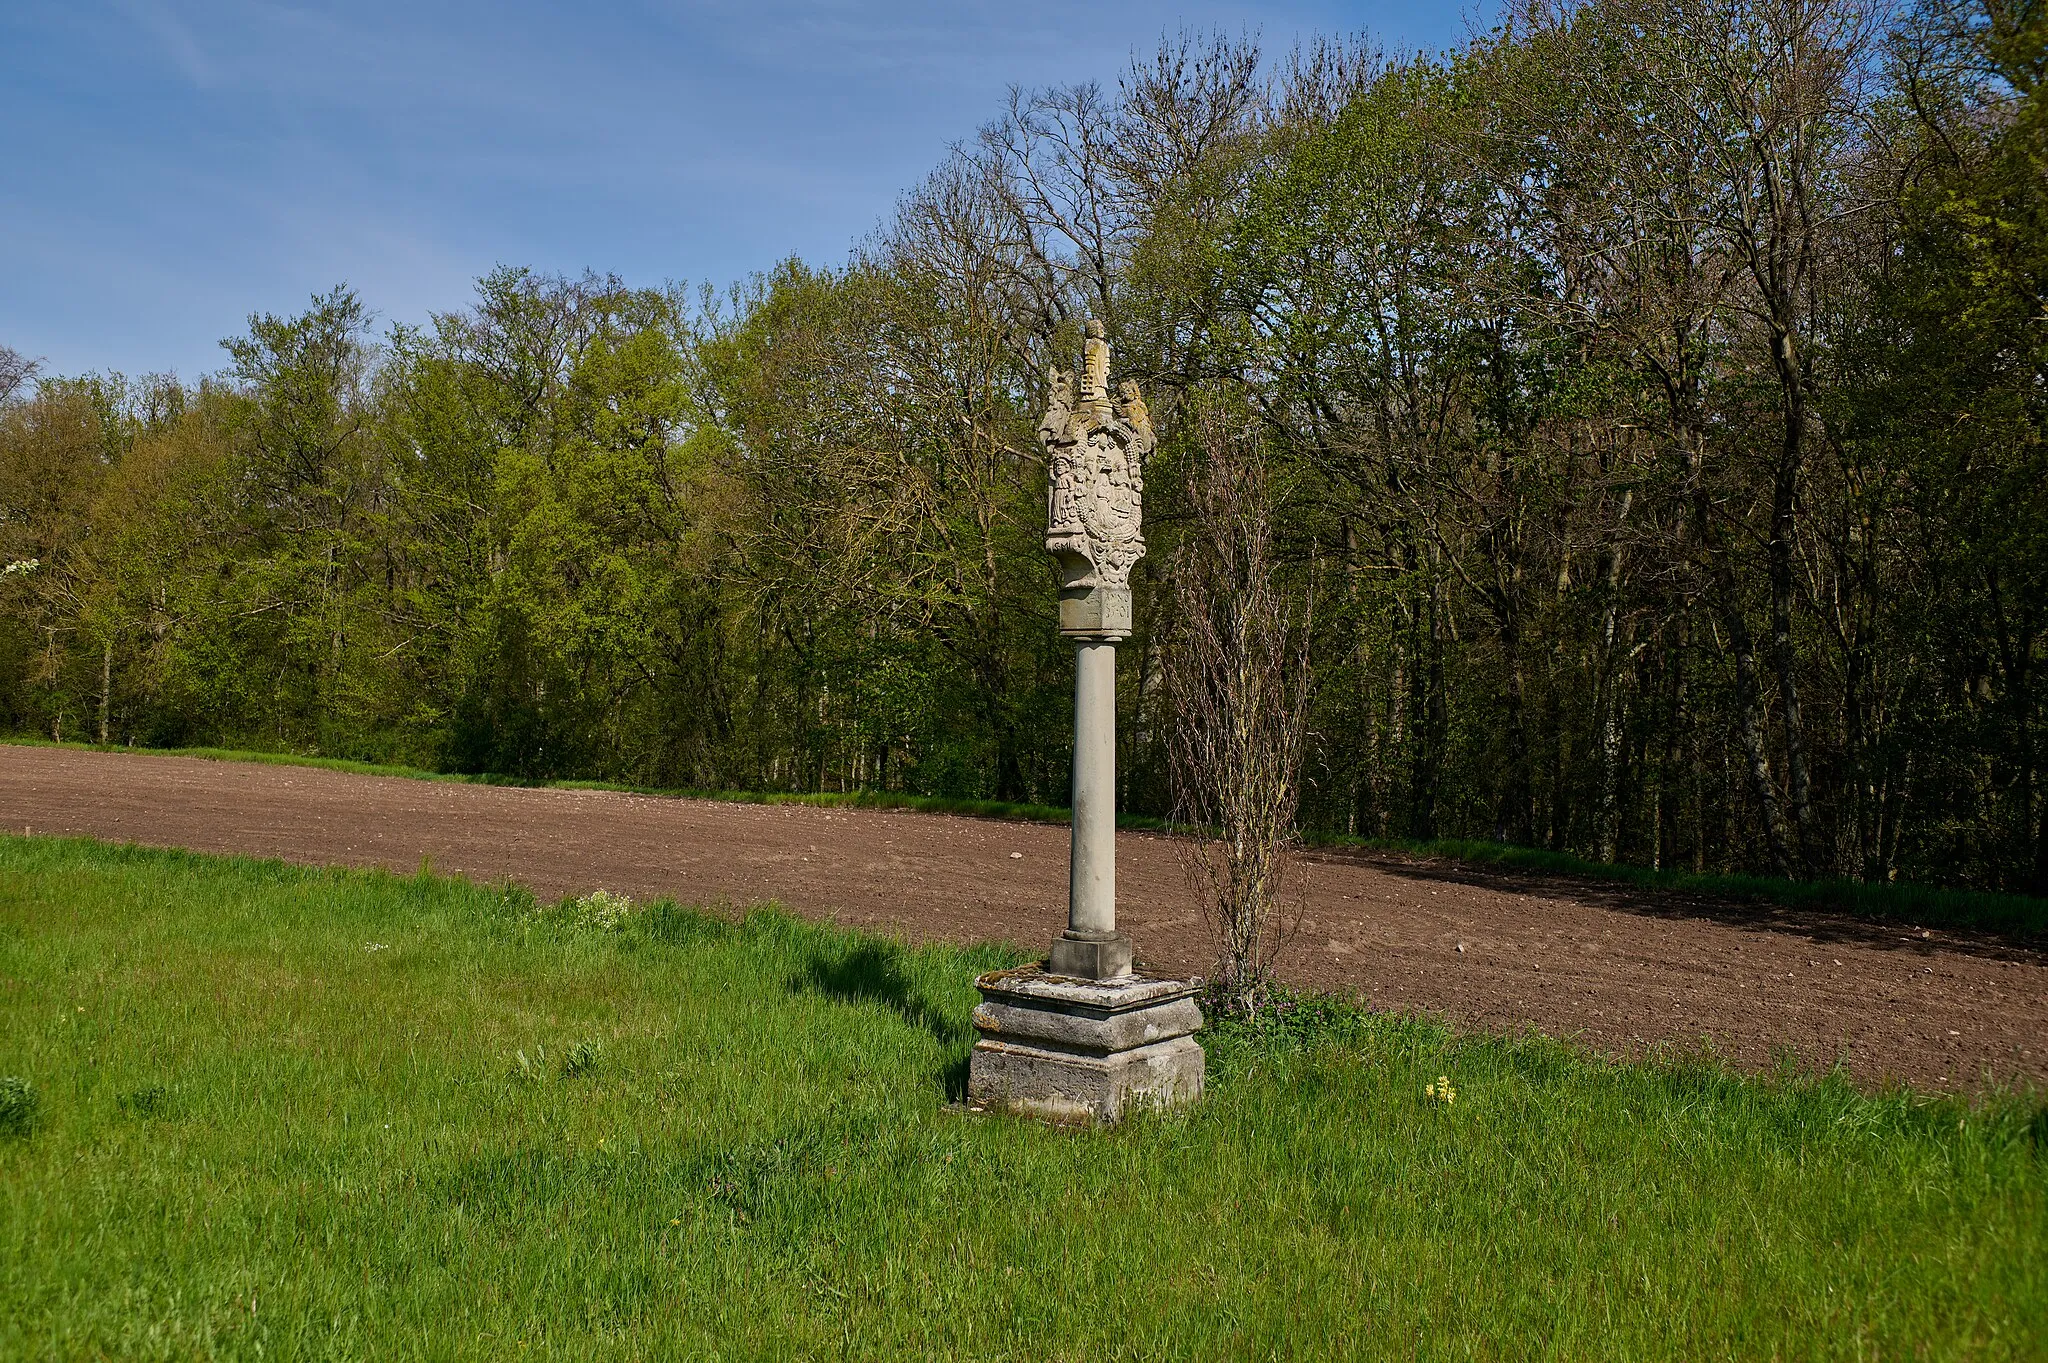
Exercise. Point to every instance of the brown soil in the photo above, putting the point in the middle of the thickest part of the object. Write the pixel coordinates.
(1616, 968)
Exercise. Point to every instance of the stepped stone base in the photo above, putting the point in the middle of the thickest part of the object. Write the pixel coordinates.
(1075, 1050)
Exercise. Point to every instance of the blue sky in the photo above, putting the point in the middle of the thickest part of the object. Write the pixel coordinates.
(175, 165)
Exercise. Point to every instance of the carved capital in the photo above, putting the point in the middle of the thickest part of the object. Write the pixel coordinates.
(1095, 452)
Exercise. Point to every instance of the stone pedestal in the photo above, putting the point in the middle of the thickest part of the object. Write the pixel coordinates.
(1075, 1050)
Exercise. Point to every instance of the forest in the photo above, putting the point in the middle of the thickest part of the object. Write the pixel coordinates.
(1650, 398)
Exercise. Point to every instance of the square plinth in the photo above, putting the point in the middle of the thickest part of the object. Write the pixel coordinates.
(1072, 1050)
(1083, 959)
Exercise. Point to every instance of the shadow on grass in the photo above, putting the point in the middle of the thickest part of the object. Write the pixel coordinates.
(874, 972)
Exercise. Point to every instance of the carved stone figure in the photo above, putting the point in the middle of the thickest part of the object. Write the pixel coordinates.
(1095, 458)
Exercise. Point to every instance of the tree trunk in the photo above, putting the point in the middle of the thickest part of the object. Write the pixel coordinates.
(1674, 710)
(1518, 818)
(1607, 834)
(1784, 507)
(106, 686)
(1755, 753)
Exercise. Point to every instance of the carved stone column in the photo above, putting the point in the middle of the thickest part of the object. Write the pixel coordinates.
(1091, 948)
(1082, 1037)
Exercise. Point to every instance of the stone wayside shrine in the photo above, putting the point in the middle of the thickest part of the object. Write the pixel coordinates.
(1082, 1037)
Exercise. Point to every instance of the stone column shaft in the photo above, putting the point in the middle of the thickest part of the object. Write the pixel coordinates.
(1091, 897)
(1091, 948)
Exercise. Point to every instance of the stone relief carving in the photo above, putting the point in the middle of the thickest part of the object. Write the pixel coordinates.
(1095, 449)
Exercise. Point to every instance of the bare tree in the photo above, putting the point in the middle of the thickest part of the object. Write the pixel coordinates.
(1180, 111)
(16, 369)
(1237, 686)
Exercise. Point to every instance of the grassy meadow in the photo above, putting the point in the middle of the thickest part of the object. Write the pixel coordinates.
(280, 1113)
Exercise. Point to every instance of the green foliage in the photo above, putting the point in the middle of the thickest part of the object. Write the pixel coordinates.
(762, 1164)
(581, 1058)
(19, 1102)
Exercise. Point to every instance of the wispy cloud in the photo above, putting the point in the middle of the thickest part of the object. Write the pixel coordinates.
(173, 39)
(203, 159)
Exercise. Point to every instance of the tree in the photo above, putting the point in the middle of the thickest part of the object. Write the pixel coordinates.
(16, 370)
(1237, 686)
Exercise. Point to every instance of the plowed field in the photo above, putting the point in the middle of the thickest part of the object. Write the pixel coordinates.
(1616, 968)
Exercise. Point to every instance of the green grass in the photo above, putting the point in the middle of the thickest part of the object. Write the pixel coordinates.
(287, 1113)
(2019, 916)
